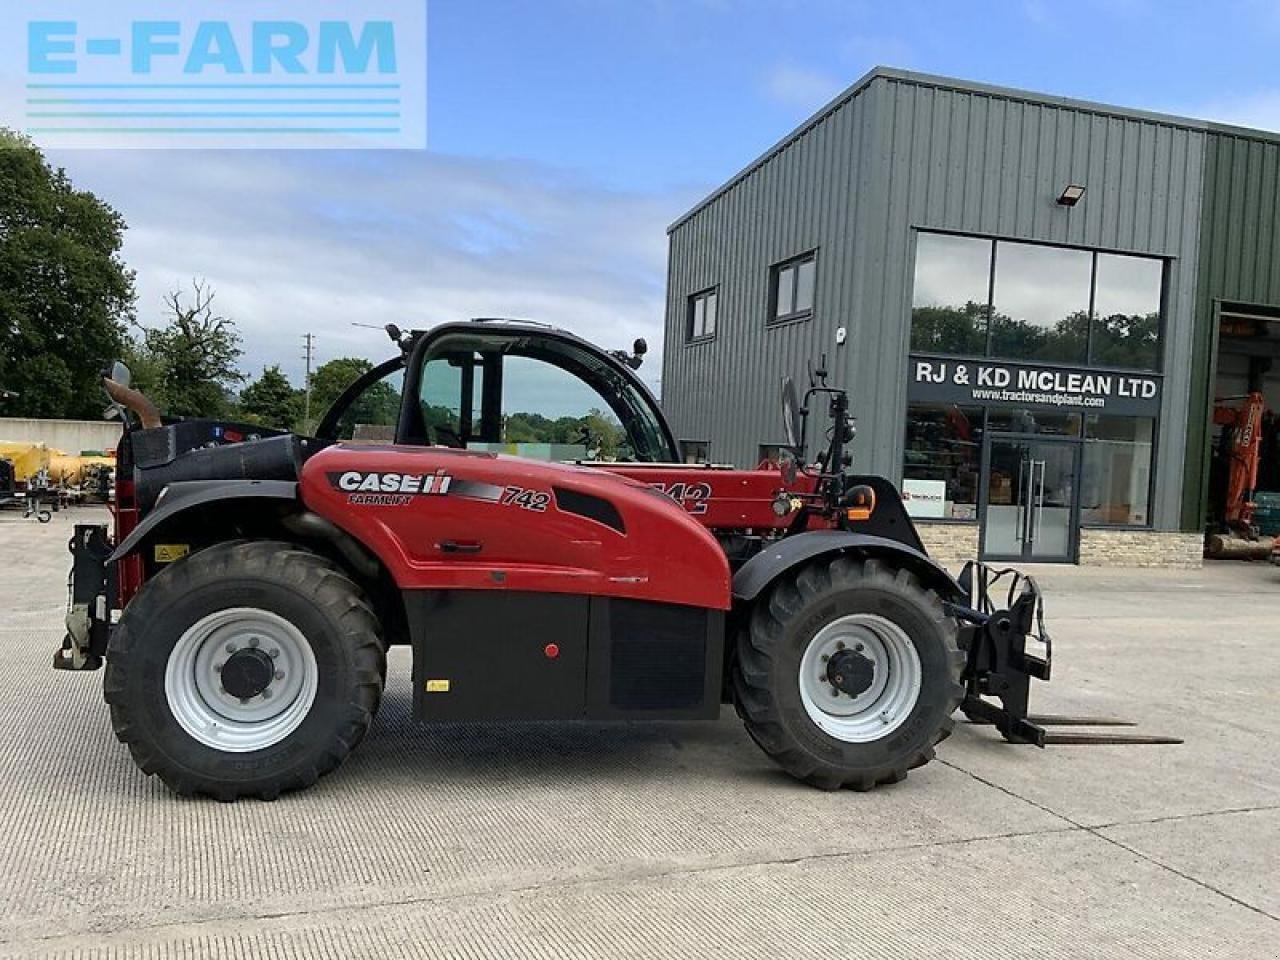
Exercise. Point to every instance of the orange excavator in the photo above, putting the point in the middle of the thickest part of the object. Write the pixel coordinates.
(1238, 535)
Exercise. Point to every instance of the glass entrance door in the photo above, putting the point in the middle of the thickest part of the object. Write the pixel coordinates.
(1030, 499)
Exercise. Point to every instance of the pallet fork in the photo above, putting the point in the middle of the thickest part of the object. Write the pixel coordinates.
(1001, 666)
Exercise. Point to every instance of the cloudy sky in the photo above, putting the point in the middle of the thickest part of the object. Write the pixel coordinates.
(564, 135)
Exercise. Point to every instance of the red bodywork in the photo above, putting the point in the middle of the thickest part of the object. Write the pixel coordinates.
(482, 521)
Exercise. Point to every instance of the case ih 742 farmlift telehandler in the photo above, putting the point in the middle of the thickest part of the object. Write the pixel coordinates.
(260, 578)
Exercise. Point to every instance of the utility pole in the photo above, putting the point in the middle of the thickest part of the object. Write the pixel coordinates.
(309, 355)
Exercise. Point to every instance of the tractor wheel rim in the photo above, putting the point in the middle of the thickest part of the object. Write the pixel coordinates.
(275, 684)
(895, 685)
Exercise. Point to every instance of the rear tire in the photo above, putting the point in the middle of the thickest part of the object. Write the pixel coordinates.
(308, 675)
(908, 660)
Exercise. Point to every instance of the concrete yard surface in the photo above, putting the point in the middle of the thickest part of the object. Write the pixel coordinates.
(669, 840)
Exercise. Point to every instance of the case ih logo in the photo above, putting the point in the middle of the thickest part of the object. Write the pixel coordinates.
(389, 489)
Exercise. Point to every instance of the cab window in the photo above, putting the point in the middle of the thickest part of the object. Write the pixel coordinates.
(549, 414)
(371, 416)
(535, 396)
(446, 399)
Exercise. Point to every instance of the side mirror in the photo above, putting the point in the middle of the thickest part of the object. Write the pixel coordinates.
(120, 374)
(393, 332)
(788, 468)
(640, 347)
(792, 427)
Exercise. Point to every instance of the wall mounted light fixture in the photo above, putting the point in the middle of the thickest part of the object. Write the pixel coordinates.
(1070, 195)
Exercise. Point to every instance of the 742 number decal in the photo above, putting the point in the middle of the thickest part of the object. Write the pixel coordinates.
(526, 499)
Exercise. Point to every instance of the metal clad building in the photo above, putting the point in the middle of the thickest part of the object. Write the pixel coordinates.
(916, 229)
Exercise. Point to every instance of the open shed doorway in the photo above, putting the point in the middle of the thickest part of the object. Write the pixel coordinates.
(1244, 475)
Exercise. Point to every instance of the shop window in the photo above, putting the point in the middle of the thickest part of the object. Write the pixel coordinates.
(1028, 420)
(1126, 325)
(701, 324)
(791, 294)
(695, 451)
(1116, 470)
(1035, 303)
(942, 461)
(949, 305)
(1041, 303)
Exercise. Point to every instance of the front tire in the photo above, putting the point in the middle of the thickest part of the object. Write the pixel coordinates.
(848, 673)
(247, 669)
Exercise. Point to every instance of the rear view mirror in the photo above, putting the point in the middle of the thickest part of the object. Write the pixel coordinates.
(791, 425)
(120, 374)
(788, 468)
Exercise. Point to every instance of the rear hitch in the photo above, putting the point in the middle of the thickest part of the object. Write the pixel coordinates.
(1001, 666)
(89, 588)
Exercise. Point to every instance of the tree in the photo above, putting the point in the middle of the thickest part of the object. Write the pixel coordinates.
(194, 356)
(330, 379)
(271, 400)
(65, 295)
(378, 405)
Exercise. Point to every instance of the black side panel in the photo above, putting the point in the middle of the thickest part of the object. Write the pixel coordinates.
(590, 506)
(654, 660)
(482, 655)
(271, 458)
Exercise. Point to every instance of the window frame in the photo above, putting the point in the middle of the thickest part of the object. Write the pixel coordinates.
(680, 445)
(691, 303)
(639, 403)
(1080, 443)
(776, 270)
(976, 519)
(1151, 477)
(780, 446)
(1158, 369)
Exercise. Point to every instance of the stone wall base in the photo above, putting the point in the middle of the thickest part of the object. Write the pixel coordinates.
(951, 544)
(1140, 548)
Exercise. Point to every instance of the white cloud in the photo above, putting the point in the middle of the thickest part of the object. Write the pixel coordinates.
(311, 242)
(801, 87)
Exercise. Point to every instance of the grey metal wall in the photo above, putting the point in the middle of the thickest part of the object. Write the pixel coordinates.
(909, 152)
(1239, 260)
(807, 195)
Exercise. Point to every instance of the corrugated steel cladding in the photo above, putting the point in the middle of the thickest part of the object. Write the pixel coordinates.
(1239, 261)
(902, 152)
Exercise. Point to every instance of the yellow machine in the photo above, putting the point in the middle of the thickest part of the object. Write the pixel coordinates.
(28, 459)
(66, 470)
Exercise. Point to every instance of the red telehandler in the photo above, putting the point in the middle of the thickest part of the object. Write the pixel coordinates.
(246, 598)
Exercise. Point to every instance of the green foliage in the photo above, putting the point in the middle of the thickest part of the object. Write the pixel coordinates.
(330, 379)
(65, 295)
(960, 330)
(1118, 340)
(271, 401)
(598, 431)
(191, 361)
(378, 405)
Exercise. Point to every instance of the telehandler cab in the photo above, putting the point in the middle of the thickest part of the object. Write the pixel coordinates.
(246, 598)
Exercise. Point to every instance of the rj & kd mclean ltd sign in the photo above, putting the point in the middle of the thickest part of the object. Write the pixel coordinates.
(1026, 385)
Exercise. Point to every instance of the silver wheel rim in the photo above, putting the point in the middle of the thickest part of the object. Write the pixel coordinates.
(211, 715)
(895, 686)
